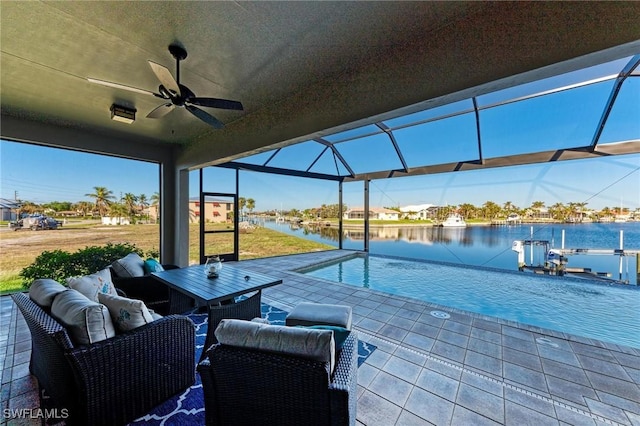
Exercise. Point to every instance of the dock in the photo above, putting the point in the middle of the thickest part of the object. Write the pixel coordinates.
(555, 259)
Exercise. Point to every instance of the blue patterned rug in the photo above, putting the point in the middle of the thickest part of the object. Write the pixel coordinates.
(186, 408)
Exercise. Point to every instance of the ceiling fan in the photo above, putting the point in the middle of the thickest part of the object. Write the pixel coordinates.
(177, 94)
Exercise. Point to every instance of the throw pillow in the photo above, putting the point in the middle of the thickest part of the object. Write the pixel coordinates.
(86, 321)
(152, 265)
(126, 314)
(132, 265)
(91, 285)
(340, 334)
(44, 290)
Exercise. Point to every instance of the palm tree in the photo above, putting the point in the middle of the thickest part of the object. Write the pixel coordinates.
(143, 204)
(103, 198)
(155, 202)
(130, 201)
(241, 203)
(251, 204)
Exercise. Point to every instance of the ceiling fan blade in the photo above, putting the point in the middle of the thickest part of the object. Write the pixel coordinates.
(161, 111)
(121, 86)
(205, 116)
(165, 77)
(216, 103)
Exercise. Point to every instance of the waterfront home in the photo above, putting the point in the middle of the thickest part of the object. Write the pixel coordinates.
(418, 211)
(376, 213)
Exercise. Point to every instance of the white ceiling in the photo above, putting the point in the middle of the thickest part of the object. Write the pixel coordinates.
(299, 68)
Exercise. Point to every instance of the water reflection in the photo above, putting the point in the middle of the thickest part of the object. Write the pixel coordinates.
(482, 245)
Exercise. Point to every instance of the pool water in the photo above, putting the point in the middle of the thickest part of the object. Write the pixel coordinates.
(601, 311)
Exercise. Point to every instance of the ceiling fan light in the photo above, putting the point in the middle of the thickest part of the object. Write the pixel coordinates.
(123, 114)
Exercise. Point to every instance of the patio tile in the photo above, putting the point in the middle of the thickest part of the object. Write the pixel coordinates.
(483, 363)
(522, 345)
(486, 335)
(524, 376)
(569, 390)
(607, 411)
(410, 355)
(614, 386)
(558, 355)
(517, 414)
(604, 367)
(430, 407)
(419, 341)
(483, 382)
(391, 388)
(370, 325)
(448, 351)
(375, 410)
(457, 327)
(442, 368)
(485, 347)
(425, 329)
(401, 322)
(484, 324)
(366, 374)
(453, 338)
(393, 332)
(481, 402)
(409, 419)
(570, 417)
(523, 359)
(629, 405)
(438, 384)
(405, 370)
(564, 371)
(540, 405)
(464, 416)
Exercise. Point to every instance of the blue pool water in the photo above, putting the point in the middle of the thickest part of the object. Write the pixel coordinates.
(600, 311)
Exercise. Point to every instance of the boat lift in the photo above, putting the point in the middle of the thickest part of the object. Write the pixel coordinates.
(555, 260)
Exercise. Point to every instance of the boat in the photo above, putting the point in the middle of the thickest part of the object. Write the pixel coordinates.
(454, 221)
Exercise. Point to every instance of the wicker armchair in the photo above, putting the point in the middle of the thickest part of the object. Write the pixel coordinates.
(248, 387)
(114, 381)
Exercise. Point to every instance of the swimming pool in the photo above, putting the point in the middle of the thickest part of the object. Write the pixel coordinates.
(604, 312)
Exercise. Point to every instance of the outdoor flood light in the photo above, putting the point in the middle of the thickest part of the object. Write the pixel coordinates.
(123, 114)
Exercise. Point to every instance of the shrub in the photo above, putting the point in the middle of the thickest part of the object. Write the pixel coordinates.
(59, 264)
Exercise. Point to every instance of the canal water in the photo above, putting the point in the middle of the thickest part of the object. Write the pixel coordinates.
(488, 246)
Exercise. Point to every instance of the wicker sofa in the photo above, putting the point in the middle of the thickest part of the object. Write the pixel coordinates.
(114, 381)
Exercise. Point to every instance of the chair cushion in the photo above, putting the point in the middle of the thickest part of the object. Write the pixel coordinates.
(132, 265)
(126, 314)
(340, 334)
(91, 285)
(86, 321)
(307, 343)
(152, 265)
(44, 290)
(306, 314)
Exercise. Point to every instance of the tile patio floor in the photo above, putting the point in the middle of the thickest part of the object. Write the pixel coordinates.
(465, 370)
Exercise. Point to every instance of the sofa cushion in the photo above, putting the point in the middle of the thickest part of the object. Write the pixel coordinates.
(308, 343)
(152, 265)
(86, 321)
(132, 265)
(126, 314)
(91, 285)
(44, 290)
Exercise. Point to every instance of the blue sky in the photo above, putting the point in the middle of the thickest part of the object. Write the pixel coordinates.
(560, 120)
(43, 174)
